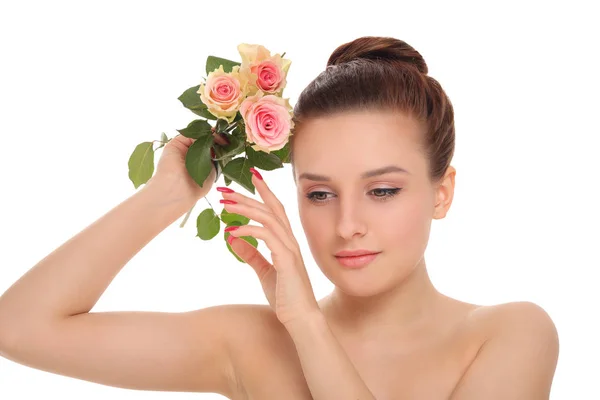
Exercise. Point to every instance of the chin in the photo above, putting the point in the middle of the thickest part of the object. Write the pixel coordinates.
(358, 290)
(363, 282)
(373, 279)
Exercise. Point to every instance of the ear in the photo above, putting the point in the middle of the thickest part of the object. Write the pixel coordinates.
(444, 193)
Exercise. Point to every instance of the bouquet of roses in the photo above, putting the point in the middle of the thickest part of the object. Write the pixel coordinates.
(245, 123)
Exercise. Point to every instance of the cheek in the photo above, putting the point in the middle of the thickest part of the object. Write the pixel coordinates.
(407, 226)
(318, 234)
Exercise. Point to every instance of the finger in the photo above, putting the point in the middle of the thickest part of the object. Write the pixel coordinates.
(251, 255)
(279, 251)
(241, 199)
(265, 218)
(269, 198)
(267, 275)
(181, 142)
(182, 139)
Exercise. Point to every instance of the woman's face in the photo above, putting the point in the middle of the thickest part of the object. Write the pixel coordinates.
(351, 212)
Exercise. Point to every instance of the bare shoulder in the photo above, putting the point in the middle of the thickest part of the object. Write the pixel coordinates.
(257, 343)
(248, 327)
(252, 321)
(518, 339)
(516, 319)
(256, 336)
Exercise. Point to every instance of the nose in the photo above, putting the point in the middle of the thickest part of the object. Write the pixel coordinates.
(351, 222)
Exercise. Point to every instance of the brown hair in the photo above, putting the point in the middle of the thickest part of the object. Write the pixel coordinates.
(382, 73)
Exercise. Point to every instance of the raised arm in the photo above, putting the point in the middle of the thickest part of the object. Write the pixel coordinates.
(45, 319)
(71, 279)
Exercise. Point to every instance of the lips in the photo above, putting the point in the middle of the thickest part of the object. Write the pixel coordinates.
(357, 261)
(354, 253)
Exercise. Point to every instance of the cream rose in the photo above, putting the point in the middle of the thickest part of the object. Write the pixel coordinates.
(263, 71)
(223, 92)
(268, 121)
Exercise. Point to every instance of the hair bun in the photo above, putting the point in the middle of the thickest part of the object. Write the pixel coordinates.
(378, 48)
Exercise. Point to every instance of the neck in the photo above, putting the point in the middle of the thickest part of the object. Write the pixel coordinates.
(407, 307)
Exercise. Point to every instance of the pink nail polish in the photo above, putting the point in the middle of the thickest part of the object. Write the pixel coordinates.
(231, 228)
(230, 239)
(225, 190)
(223, 201)
(256, 173)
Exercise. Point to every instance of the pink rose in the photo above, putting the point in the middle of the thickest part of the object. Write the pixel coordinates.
(269, 77)
(261, 70)
(223, 92)
(268, 121)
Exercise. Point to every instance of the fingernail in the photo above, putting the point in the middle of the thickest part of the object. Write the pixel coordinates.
(230, 239)
(224, 189)
(231, 228)
(223, 201)
(256, 173)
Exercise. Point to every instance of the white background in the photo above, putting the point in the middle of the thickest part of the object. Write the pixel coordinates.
(82, 83)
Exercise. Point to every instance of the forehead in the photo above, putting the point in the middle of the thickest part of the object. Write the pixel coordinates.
(353, 142)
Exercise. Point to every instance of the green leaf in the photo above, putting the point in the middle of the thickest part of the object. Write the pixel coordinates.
(163, 141)
(227, 180)
(240, 132)
(226, 153)
(283, 153)
(191, 100)
(262, 160)
(141, 164)
(197, 159)
(238, 116)
(248, 239)
(164, 138)
(213, 63)
(196, 129)
(221, 125)
(204, 113)
(208, 224)
(229, 218)
(238, 170)
(218, 169)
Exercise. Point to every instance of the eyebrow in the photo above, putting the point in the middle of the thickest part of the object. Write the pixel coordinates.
(368, 174)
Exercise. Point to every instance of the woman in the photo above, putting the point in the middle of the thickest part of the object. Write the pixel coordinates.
(371, 152)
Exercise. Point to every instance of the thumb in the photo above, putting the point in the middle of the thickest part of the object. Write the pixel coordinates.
(264, 269)
(181, 143)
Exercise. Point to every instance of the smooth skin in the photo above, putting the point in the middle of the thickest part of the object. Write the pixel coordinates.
(405, 339)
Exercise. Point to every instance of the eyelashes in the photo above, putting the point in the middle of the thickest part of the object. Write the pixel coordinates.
(388, 194)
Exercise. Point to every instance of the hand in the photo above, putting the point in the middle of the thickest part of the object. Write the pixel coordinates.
(173, 176)
(285, 282)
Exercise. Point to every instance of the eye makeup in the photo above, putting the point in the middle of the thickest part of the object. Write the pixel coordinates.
(384, 195)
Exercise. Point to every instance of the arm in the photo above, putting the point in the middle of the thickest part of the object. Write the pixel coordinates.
(518, 362)
(157, 351)
(45, 321)
(71, 279)
(328, 370)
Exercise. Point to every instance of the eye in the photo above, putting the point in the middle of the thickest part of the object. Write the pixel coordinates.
(312, 196)
(386, 194)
